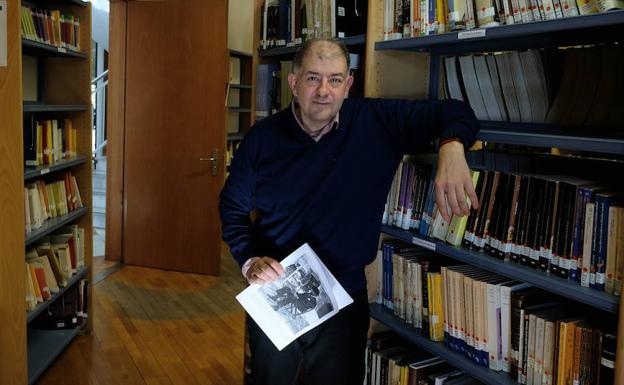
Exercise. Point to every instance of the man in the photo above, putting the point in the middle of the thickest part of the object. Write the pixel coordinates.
(319, 172)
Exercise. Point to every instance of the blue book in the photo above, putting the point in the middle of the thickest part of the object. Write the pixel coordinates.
(601, 224)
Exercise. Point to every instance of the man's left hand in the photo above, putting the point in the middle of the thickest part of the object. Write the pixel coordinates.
(453, 182)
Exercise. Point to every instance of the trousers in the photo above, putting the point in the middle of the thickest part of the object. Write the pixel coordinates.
(330, 354)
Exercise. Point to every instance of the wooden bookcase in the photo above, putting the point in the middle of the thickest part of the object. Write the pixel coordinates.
(63, 92)
(411, 68)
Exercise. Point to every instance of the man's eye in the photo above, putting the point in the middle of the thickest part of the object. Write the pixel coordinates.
(336, 81)
(313, 78)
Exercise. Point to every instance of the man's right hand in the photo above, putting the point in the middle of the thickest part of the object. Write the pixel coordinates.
(264, 270)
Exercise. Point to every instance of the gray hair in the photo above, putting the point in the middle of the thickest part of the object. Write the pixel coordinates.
(306, 49)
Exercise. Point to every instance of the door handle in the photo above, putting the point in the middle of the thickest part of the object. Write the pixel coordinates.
(214, 160)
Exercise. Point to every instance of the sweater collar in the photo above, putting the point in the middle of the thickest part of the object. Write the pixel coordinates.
(333, 123)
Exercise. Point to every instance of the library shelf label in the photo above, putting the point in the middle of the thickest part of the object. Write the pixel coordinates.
(473, 34)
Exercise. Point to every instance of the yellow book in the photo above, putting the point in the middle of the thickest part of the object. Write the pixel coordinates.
(39, 144)
(587, 6)
(619, 257)
(48, 150)
(50, 277)
(31, 299)
(36, 287)
(441, 16)
(51, 200)
(612, 230)
(566, 351)
(457, 227)
(436, 325)
(404, 375)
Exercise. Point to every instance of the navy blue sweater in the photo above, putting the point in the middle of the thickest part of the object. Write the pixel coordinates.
(329, 193)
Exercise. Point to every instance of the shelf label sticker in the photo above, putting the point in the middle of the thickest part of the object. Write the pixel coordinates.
(472, 34)
(61, 50)
(423, 243)
(44, 171)
(3, 33)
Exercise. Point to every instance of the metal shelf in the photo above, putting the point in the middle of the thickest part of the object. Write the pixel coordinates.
(34, 172)
(538, 278)
(291, 50)
(80, 274)
(43, 348)
(458, 360)
(54, 224)
(593, 28)
(36, 48)
(239, 109)
(240, 86)
(548, 135)
(43, 107)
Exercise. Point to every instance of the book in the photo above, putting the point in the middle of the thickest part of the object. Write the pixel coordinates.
(304, 297)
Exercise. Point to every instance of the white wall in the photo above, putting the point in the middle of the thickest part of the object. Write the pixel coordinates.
(99, 21)
(240, 25)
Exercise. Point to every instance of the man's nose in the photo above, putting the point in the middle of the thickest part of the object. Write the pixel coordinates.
(323, 88)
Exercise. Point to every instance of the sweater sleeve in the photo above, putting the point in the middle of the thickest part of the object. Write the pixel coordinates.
(414, 124)
(236, 202)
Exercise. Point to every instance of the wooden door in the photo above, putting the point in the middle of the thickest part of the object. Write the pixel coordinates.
(176, 73)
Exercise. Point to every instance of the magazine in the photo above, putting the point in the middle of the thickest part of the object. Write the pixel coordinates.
(305, 296)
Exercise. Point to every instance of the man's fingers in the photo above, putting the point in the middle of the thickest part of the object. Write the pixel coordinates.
(264, 270)
(441, 202)
(472, 195)
(276, 266)
(451, 199)
(460, 193)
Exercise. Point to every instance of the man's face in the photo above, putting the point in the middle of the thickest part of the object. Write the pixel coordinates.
(321, 85)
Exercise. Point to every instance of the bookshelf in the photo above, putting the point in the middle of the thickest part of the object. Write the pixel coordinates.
(562, 287)
(353, 41)
(419, 63)
(240, 108)
(241, 102)
(63, 91)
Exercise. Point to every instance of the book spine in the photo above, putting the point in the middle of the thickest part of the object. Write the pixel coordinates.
(602, 217)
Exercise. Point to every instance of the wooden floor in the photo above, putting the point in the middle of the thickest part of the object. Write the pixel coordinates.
(159, 327)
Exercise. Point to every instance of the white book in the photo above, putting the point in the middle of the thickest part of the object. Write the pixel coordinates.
(535, 81)
(587, 243)
(487, 88)
(520, 85)
(496, 85)
(539, 351)
(494, 325)
(452, 81)
(531, 349)
(505, 294)
(471, 86)
(507, 86)
(305, 296)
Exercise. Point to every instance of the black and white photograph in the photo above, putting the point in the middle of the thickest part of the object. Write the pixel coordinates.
(299, 296)
(306, 295)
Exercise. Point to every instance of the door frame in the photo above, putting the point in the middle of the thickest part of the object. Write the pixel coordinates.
(116, 118)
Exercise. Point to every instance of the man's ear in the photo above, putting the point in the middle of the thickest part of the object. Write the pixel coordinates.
(349, 84)
(292, 82)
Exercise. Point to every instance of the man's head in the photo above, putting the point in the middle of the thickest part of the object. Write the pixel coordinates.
(320, 81)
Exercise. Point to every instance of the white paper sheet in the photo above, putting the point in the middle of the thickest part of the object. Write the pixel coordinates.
(303, 298)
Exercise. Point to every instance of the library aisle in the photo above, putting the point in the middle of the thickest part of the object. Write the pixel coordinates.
(159, 327)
